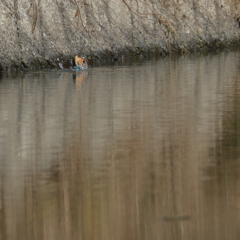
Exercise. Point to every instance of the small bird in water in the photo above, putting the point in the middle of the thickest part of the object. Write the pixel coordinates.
(80, 63)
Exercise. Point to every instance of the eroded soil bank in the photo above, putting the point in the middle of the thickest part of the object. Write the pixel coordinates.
(43, 33)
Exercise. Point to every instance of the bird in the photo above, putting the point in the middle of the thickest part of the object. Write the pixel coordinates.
(80, 63)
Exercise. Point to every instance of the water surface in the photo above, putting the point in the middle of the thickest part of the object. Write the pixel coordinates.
(138, 150)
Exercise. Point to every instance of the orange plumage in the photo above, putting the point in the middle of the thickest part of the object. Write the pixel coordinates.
(79, 61)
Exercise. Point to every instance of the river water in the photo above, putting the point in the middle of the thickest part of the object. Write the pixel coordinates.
(127, 151)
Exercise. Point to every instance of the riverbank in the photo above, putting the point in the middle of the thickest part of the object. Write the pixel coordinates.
(46, 34)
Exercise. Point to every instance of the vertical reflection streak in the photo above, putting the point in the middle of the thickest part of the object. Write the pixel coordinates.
(145, 151)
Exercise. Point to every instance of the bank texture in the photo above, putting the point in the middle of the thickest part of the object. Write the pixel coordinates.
(43, 33)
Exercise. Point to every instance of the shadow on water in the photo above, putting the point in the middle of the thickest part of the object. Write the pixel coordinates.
(147, 151)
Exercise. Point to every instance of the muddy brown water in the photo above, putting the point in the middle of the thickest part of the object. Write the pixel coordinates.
(137, 150)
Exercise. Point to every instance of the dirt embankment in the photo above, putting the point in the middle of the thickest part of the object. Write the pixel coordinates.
(44, 33)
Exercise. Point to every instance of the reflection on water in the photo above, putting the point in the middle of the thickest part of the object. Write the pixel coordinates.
(146, 150)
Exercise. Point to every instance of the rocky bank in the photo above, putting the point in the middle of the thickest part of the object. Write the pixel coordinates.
(44, 33)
